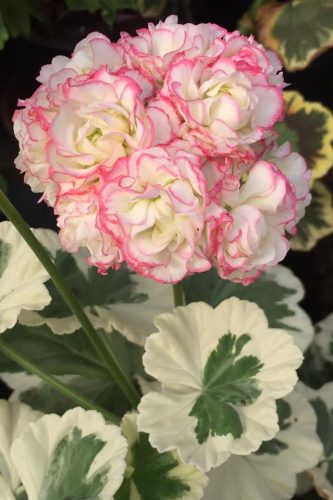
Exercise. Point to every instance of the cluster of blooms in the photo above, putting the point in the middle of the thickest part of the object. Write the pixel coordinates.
(159, 150)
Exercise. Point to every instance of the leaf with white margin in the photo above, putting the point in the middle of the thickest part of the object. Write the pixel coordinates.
(105, 393)
(75, 456)
(178, 355)
(22, 277)
(324, 339)
(5, 490)
(322, 403)
(300, 117)
(317, 222)
(304, 486)
(19, 383)
(278, 292)
(297, 30)
(112, 302)
(315, 370)
(71, 358)
(136, 320)
(271, 476)
(156, 476)
(147, 385)
(14, 417)
(69, 354)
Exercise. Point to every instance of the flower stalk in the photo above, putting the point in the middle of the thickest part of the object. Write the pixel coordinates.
(105, 355)
(178, 294)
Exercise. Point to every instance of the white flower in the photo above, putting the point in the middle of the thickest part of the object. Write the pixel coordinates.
(271, 474)
(14, 417)
(21, 277)
(77, 455)
(220, 372)
(147, 470)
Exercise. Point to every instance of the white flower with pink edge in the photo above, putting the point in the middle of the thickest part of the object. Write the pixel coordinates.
(155, 47)
(247, 232)
(223, 107)
(157, 197)
(89, 54)
(204, 103)
(100, 120)
(294, 167)
(77, 212)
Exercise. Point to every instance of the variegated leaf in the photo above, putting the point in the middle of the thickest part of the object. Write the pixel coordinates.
(309, 128)
(299, 30)
(318, 220)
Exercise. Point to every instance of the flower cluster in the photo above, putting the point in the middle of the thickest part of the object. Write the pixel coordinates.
(160, 150)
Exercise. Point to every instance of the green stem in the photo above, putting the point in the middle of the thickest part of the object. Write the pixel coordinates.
(105, 355)
(178, 294)
(55, 383)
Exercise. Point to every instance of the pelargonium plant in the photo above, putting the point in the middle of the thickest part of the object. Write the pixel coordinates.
(159, 156)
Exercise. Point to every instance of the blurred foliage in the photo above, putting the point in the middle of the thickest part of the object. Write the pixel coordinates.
(318, 220)
(298, 30)
(16, 16)
(108, 8)
(309, 128)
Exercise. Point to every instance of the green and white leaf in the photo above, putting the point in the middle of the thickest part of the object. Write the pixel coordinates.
(66, 355)
(299, 30)
(305, 486)
(318, 220)
(315, 371)
(308, 126)
(5, 490)
(14, 417)
(103, 392)
(324, 338)
(322, 403)
(112, 302)
(156, 476)
(74, 456)
(220, 372)
(148, 385)
(19, 383)
(71, 357)
(271, 475)
(278, 292)
(22, 277)
(228, 379)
